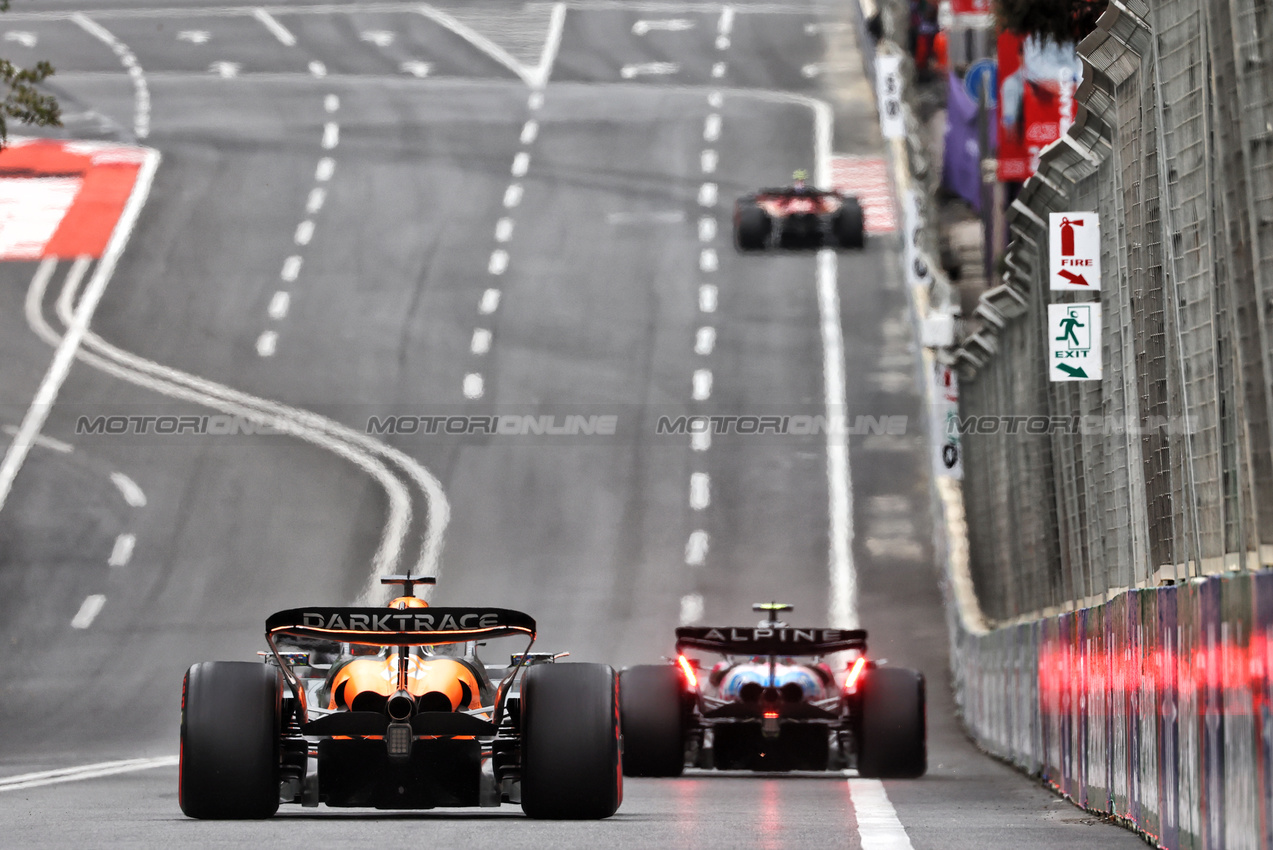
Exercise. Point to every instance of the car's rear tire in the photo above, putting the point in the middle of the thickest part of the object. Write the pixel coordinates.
(752, 227)
(653, 719)
(893, 743)
(230, 735)
(571, 764)
(848, 225)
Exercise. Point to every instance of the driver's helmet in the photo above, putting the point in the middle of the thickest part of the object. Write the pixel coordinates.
(799, 178)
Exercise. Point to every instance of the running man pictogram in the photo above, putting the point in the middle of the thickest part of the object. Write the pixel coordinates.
(1068, 324)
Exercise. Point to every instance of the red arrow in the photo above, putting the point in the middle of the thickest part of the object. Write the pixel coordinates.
(1073, 278)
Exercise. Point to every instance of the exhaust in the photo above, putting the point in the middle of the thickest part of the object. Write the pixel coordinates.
(400, 706)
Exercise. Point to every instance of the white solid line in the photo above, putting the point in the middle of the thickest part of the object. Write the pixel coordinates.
(529, 131)
(331, 103)
(878, 826)
(535, 101)
(707, 298)
(291, 268)
(267, 344)
(503, 229)
(499, 261)
(317, 197)
(481, 341)
(702, 384)
(326, 167)
(304, 232)
(700, 441)
(696, 548)
(318, 69)
(279, 305)
(706, 229)
(707, 161)
(705, 340)
(691, 608)
(843, 603)
(711, 127)
(489, 303)
(726, 23)
(133, 494)
(87, 771)
(123, 551)
(556, 24)
(521, 163)
(44, 442)
(707, 194)
(513, 195)
(68, 347)
(707, 260)
(278, 30)
(89, 609)
(473, 385)
(484, 44)
(700, 491)
(331, 135)
(71, 287)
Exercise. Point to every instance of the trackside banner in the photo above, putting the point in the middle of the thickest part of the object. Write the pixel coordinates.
(410, 626)
(770, 641)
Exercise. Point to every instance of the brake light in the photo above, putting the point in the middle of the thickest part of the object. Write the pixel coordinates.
(688, 670)
(771, 715)
(855, 673)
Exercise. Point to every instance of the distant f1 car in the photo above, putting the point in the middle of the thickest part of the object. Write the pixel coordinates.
(798, 217)
(773, 704)
(391, 708)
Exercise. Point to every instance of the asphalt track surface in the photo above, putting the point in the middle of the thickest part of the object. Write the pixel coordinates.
(602, 290)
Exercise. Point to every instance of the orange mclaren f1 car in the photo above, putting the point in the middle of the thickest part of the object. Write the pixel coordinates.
(391, 708)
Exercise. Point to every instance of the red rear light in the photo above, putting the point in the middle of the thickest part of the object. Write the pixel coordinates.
(771, 715)
(688, 670)
(855, 672)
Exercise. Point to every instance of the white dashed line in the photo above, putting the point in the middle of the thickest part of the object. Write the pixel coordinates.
(513, 195)
(278, 30)
(706, 229)
(326, 168)
(726, 23)
(707, 195)
(521, 163)
(535, 101)
(503, 229)
(878, 826)
(661, 69)
(701, 441)
(702, 384)
(711, 127)
(225, 70)
(89, 609)
(718, 70)
(133, 494)
(304, 232)
(705, 340)
(318, 69)
(26, 39)
(415, 68)
(481, 341)
(314, 203)
(696, 548)
(473, 385)
(331, 135)
(707, 298)
(707, 260)
(489, 303)
(707, 161)
(331, 103)
(279, 305)
(691, 608)
(715, 100)
(267, 344)
(499, 261)
(123, 551)
(700, 490)
(529, 131)
(43, 441)
(722, 42)
(141, 91)
(291, 268)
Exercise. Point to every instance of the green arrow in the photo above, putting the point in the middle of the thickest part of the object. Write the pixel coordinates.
(1072, 371)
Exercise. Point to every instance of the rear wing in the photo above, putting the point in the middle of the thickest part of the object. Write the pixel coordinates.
(400, 627)
(778, 640)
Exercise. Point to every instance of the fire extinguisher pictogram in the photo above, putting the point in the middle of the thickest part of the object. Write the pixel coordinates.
(1067, 235)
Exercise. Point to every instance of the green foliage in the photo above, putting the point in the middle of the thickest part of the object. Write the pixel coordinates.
(1059, 20)
(23, 100)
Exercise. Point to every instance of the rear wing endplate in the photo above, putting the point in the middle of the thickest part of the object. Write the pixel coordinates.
(781, 640)
(400, 627)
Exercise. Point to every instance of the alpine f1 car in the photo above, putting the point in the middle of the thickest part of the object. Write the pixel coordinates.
(773, 704)
(391, 708)
(796, 217)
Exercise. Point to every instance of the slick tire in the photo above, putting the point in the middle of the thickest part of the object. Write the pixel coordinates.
(848, 225)
(752, 227)
(650, 712)
(571, 764)
(894, 742)
(230, 733)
